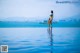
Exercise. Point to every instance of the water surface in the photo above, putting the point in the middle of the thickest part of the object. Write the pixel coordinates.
(38, 40)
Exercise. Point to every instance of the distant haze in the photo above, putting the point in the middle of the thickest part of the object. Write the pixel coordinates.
(36, 9)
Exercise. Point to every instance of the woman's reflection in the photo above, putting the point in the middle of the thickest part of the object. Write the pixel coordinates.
(51, 38)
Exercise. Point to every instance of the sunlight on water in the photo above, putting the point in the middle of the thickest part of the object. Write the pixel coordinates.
(33, 40)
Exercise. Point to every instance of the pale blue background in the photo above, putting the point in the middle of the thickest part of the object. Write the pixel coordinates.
(23, 10)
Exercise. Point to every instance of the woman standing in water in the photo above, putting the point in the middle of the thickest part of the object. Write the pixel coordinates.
(50, 20)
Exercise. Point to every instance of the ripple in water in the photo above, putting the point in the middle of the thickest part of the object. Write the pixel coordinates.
(39, 40)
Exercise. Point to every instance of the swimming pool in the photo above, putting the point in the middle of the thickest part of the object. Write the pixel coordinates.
(38, 40)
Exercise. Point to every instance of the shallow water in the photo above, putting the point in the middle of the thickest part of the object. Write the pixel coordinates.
(38, 40)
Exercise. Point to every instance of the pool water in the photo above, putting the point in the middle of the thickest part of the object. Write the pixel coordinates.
(41, 40)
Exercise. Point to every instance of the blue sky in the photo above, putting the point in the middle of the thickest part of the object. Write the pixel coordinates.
(36, 9)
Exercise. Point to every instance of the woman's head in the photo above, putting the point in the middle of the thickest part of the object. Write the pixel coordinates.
(51, 11)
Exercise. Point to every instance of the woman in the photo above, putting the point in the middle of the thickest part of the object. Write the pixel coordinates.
(50, 21)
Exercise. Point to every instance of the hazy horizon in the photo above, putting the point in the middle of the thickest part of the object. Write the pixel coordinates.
(37, 9)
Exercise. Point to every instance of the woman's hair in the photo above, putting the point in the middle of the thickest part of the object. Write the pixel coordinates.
(51, 11)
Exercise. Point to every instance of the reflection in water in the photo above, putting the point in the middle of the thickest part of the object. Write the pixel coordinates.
(20, 40)
(51, 38)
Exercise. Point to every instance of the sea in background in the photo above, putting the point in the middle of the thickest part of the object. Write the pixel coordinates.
(38, 40)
